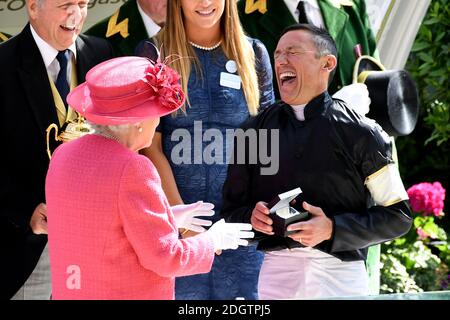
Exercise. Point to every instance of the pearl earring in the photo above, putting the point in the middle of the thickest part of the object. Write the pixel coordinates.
(140, 129)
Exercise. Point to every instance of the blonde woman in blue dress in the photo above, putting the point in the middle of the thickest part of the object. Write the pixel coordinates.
(227, 77)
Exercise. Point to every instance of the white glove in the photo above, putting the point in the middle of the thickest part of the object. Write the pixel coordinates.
(356, 96)
(186, 215)
(230, 235)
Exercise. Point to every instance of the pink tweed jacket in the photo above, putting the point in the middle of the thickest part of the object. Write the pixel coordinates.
(111, 232)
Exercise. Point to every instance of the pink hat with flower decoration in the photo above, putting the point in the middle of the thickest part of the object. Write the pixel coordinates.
(127, 90)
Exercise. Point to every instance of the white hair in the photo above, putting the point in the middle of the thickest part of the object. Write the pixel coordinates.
(120, 129)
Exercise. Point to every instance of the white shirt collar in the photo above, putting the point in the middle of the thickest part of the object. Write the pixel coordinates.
(299, 111)
(47, 51)
(294, 3)
(312, 10)
(313, 3)
(150, 25)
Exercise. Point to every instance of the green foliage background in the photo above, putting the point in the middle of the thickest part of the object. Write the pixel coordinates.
(411, 264)
(424, 155)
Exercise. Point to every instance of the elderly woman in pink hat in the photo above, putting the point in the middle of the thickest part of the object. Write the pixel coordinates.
(111, 231)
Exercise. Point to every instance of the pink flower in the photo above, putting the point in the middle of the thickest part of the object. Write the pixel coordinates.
(427, 198)
(422, 234)
(164, 82)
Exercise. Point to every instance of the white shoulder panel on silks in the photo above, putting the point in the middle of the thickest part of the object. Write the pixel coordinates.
(386, 186)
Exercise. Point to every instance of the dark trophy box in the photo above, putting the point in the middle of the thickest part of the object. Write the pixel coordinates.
(282, 214)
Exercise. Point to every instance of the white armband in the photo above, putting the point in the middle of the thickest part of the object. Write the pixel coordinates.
(386, 186)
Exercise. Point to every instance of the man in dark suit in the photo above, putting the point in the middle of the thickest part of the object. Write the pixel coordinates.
(4, 37)
(39, 66)
(134, 21)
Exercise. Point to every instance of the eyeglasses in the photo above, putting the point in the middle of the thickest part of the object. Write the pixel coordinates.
(290, 53)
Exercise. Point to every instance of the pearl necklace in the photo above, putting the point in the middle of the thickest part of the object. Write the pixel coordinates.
(108, 136)
(206, 48)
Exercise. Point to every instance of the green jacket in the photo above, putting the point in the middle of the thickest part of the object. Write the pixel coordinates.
(4, 37)
(124, 35)
(348, 25)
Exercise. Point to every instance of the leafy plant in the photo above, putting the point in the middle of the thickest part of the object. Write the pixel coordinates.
(419, 260)
(438, 117)
(424, 155)
(394, 277)
(430, 67)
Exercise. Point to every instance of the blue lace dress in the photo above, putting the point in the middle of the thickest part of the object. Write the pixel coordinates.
(197, 148)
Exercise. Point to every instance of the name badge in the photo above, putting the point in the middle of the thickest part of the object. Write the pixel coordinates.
(230, 80)
(231, 66)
